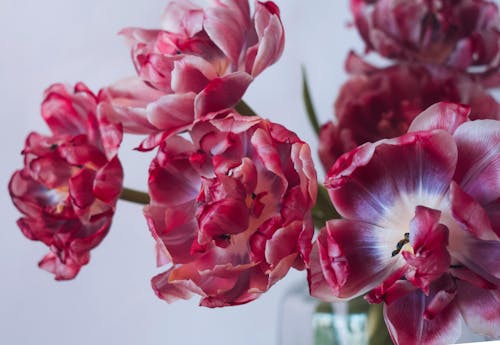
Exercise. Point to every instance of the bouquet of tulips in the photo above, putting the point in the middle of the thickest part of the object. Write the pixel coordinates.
(408, 215)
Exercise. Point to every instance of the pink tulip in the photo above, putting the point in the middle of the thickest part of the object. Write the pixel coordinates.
(71, 180)
(201, 61)
(377, 103)
(457, 33)
(421, 228)
(230, 209)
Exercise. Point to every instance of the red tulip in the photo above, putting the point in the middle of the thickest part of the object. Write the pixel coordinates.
(421, 228)
(230, 209)
(71, 180)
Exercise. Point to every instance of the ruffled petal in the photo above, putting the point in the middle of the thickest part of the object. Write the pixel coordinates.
(62, 271)
(173, 290)
(67, 111)
(174, 229)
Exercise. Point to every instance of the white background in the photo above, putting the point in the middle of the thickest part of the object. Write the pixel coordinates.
(110, 301)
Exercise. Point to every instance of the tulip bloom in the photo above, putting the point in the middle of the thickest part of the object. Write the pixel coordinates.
(71, 180)
(421, 228)
(456, 33)
(230, 209)
(377, 103)
(201, 61)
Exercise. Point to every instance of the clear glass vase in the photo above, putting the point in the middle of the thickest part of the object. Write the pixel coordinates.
(308, 321)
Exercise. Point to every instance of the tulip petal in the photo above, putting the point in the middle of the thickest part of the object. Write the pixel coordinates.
(480, 309)
(429, 257)
(271, 38)
(182, 16)
(470, 214)
(125, 102)
(407, 326)
(221, 93)
(369, 182)
(172, 112)
(345, 247)
(226, 24)
(478, 167)
(443, 115)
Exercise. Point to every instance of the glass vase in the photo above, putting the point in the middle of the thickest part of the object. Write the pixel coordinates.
(308, 321)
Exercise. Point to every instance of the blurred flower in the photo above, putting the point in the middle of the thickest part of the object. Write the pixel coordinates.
(201, 61)
(71, 180)
(230, 209)
(423, 210)
(381, 103)
(457, 33)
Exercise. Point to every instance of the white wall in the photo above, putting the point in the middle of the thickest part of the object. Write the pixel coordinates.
(111, 302)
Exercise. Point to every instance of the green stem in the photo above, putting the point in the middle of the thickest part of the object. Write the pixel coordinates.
(136, 196)
(311, 113)
(377, 330)
(244, 109)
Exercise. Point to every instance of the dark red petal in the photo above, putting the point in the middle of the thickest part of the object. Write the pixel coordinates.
(407, 325)
(222, 218)
(108, 181)
(221, 93)
(81, 188)
(429, 240)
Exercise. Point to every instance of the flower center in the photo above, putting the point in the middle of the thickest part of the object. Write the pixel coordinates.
(403, 244)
